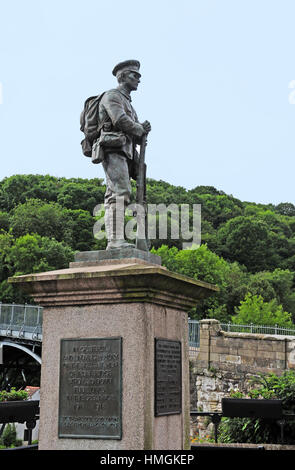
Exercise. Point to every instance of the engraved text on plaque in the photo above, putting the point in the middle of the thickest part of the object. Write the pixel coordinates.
(167, 377)
(90, 392)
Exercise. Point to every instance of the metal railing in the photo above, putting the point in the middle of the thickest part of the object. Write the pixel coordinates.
(194, 330)
(258, 329)
(193, 333)
(21, 321)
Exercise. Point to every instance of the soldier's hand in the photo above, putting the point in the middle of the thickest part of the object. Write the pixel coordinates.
(147, 126)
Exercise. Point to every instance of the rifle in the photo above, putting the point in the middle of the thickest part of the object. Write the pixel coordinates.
(141, 238)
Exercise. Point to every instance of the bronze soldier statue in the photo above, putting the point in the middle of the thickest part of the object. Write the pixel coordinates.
(122, 128)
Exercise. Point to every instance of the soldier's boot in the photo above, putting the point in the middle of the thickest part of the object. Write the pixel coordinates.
(114, 224)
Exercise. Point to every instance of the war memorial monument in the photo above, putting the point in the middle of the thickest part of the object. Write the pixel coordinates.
(115, 365)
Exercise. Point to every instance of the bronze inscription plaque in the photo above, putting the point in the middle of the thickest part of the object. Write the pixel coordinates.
(90, 389)
(168, 379)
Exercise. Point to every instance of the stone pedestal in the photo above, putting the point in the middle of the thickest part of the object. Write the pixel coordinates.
(126, 303)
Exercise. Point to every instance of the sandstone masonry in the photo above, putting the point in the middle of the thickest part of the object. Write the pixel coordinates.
(227, 361)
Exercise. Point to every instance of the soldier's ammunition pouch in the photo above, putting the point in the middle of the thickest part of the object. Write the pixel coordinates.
(106, 141)
(86, 147)
(97, 155)
(112, 139)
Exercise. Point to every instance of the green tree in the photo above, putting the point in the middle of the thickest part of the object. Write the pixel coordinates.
(4, 221)
(233, 289)
(289, 260)
(73, 227)
(282, 282)
(285, 208)
(9, 438)
(46, 219)
(32, 253)
(80, 224)
(204, 265)
(160, 192)
(81, 195)
(206, 190)
(17, 189)
(6, 241)
(72, 193)
(248, 241)
(217, 209)
(255, 310)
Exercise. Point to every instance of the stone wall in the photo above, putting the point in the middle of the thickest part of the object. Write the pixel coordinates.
(228, 361)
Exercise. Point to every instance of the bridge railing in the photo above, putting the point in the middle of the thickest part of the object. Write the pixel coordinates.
(193, 333)
(23, 321)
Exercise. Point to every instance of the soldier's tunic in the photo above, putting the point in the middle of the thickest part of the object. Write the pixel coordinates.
(119, 164)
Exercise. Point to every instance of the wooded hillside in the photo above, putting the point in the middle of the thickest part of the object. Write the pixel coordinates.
(248, 249)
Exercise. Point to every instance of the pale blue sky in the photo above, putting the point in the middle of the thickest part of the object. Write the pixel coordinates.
(215, 77)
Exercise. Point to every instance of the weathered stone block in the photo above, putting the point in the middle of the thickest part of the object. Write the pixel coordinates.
(265, 345)
(214, 357)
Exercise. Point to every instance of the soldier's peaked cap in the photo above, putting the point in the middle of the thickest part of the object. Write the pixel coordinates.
(130, 65)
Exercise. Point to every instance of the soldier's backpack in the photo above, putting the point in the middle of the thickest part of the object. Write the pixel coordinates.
(89, 123)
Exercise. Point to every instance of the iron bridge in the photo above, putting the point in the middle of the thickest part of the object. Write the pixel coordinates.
(20, 343)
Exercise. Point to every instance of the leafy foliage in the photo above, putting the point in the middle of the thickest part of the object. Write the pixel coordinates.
(246, 248)
(26, 254)
(13, 395)
(255, 310)
(260, 430)
(9, 439)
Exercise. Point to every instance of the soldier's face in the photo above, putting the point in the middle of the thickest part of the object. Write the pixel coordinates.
(132, 79)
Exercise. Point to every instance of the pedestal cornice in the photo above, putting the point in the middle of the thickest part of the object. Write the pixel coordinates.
(121, 282)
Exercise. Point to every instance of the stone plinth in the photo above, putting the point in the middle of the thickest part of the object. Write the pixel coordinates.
(127, 299)
(130, 253)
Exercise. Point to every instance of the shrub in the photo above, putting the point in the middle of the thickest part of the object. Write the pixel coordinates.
(13, 395)
(256, 431)
(8, 438)
(253, 309)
